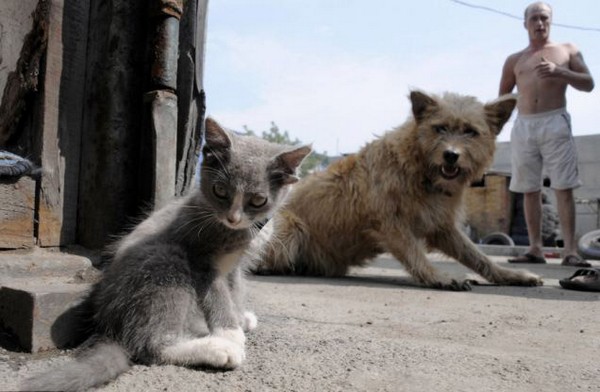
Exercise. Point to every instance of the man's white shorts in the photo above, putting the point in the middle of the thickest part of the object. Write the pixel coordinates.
(543, 141)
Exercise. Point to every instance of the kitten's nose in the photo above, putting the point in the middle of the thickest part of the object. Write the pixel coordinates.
(234, 217)
(451, 157)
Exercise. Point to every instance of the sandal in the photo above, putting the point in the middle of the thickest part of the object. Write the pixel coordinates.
(528, 258)
(585, 279)
(575, 261)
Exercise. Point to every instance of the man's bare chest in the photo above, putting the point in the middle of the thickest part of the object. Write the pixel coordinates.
(528, 61)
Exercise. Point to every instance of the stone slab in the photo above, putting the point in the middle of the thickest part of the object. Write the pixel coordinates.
(37, 312)
(42, 263)
(39, 290)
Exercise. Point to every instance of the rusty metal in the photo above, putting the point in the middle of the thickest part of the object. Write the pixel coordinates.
(175, 103)
(164, 52)
(167, 7)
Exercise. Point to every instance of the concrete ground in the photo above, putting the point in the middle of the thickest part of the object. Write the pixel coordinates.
(376, 331)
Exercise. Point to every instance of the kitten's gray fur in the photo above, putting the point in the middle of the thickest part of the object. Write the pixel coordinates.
(172, 292)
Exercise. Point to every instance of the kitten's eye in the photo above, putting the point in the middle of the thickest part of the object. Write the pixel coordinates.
(441, 129)
(220, 191)
(471, 132)
(258, 201)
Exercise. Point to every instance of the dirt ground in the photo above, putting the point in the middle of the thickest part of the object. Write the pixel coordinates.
(376, 331)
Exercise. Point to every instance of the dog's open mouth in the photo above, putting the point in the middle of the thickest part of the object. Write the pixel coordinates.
(450, 172)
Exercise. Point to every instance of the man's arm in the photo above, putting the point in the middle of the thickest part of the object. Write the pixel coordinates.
(575, 74)
(585, 81)
(508, 80)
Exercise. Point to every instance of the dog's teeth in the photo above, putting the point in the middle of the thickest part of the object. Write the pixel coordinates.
(449, 171)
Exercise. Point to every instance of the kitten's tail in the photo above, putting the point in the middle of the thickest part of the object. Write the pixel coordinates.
(98, 365)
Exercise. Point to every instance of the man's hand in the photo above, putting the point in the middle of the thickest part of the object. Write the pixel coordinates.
(547, 69)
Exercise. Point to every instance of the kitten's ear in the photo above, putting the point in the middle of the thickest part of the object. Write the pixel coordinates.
(422, 104)
(285, 164)
(498, 111)
(215, 136)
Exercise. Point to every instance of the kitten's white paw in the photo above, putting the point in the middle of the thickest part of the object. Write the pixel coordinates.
(250, 321)
(211, 350)
(224, 354)
(233, 335)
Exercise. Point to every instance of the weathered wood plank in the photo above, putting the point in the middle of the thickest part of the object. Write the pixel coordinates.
(110, 160)
(17, 206)
(190, 92)
(22, 47)
(62, 103)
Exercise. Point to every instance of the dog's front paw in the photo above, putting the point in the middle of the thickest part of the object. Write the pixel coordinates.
(528, 279)
(519, 278)
(453, 285)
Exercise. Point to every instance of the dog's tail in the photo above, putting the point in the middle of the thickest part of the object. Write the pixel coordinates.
(101, 363)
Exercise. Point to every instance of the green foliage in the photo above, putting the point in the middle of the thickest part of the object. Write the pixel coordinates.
(315, 161)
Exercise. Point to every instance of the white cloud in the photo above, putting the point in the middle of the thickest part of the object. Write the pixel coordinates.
(335, 101)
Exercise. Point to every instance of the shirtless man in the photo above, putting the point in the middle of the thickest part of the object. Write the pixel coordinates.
(541, 136)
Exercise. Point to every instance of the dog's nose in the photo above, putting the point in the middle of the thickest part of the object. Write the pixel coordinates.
(451, 157)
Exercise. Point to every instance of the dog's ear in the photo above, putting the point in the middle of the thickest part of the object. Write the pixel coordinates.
(498, 111)
(421, 104)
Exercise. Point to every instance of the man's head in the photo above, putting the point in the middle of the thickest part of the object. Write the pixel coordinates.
(538, 17)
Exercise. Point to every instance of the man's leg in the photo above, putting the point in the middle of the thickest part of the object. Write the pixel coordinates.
(566, 213)
(532, 204)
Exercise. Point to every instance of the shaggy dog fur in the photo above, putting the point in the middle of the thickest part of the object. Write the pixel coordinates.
(400, 194)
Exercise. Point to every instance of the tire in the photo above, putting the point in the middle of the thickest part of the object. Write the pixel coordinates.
(497, 238)
(589, 245)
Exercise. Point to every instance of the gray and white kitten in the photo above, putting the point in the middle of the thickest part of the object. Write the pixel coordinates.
(172, 292)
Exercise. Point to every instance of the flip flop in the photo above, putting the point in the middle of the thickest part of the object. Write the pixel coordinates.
(528, 258)
(575, 261)
(588, 280)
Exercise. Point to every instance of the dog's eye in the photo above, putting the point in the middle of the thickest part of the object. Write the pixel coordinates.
(220, 191)
(471, 132)
(258, 201)
(441, 129)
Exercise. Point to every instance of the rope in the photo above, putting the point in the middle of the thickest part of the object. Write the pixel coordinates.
(12, 165)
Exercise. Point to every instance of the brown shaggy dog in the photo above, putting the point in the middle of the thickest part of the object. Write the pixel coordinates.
(400, 194)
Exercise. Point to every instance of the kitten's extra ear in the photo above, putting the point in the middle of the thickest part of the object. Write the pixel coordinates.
(422, 104)
(285, 164)
(498, 111)
(215, 136)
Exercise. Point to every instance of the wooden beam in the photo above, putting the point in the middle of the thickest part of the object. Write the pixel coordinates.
(61, 121)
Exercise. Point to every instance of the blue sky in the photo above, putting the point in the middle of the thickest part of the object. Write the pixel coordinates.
(336, 73)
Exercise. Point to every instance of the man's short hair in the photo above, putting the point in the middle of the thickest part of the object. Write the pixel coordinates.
(537, 4)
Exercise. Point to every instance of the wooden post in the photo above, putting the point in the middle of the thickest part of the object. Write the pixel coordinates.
(190, 89)
(60, 122)
(113, 110)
